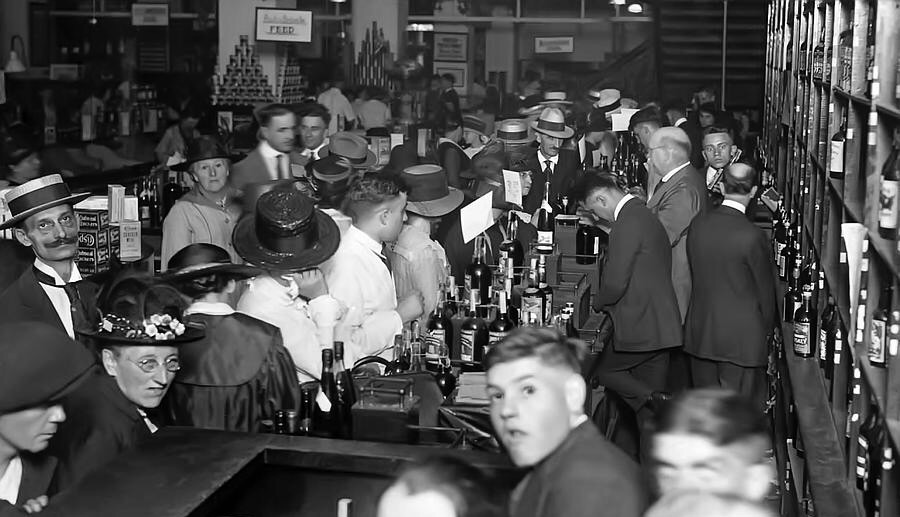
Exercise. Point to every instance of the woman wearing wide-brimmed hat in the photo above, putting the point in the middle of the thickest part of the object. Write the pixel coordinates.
(209, 212)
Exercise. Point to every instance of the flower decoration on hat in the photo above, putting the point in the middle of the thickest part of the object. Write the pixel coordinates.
(161, 327)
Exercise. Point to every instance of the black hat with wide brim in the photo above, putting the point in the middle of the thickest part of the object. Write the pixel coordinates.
(202, 259)
(203, 148)
(286, 232)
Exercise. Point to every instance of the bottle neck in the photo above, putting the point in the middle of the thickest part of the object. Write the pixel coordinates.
(502, 305)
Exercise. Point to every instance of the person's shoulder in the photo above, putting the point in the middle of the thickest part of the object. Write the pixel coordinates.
(250, 322)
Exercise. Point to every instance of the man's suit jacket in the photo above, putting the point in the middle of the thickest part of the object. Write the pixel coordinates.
(562, 181)
(733, 305)
(676, 202)
(15, 259)
(586, 476)
(25, 300)
(253, 169)
(37, 473)
(635, 287)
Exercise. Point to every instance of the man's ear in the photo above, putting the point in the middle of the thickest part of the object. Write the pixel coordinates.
(576, 392)
(231, 286)
(22, 237)
(109, 362)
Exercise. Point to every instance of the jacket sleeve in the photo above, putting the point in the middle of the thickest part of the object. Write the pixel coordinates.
(762, 268)
(176, 233)
(676, 211)
(624, 246)
(280, 388)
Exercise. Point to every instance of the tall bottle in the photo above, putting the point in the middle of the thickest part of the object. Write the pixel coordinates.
(305, 426)
(326, 412)
(587, 244)
(144, 203)
(346, 394)
(416, 346)
(792, 300)
(545, 223)
(819, 56)
(786, 260)
(473, 335)
(838, 144)
(452, 304)
(502, 324)
(878, 337)
(171, 192)
(439, 328)
(780, 234)
(828, 330)
(478, 275)
(870, 46)
(888, 208)
(546, 290)
(511, 248)
(803, 342)
(532, 312)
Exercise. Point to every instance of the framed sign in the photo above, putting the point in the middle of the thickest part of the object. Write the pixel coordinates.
(150, 15)
(554, 45)
(288, 25)
(457, 70)
(451, 47)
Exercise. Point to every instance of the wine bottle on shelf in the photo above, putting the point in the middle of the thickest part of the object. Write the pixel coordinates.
(478, 276)
(511, 248)
(870, 46)
(803, 341)
(473, 335)
(828, 329)
(346, 394)
(144, 202)
(780, 233)
(502, 324)
(546, 290)
(440, 328)
(792, 300)
(819, 56)
(864, 445)
(878, 336)
(326, 412)
(532, 300)
(838, 144)
(888, 208)
(545, 223)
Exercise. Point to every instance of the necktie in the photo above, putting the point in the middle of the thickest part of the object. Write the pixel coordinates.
(548, 170)
(283, 173)
(385, 260)
(71, 290)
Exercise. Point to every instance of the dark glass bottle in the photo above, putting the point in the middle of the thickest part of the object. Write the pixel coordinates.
(473, 335)
(878, 337)
(804, 343)
(780, 233)
(545, 223)
(346, 392)
(838, 144)
(306, 412)
(440, 328)
(828, 329)
(532, 300)
(171, 192)
(502, 324)
(478, 275)
(888, 208)
(143, 195)
(587, 244)
(786, 261)
(547, 291)
(792, 300)
(511, 248)
(326, 411)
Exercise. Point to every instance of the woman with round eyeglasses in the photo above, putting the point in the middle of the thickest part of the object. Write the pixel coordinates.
(138, 336)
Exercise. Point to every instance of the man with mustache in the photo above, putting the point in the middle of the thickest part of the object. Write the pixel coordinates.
(551, 164)
(52, 291)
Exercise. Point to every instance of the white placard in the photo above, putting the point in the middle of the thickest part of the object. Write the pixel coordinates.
(512, 184)
(621, 120)
(150, 15)
(554, 45)
(476, 217)
(290, 25)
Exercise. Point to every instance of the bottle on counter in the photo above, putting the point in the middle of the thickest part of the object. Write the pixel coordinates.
(780, 234)
(326, 415)
(803, 342)
(511, 248)
(532, 300)
(346, 393)
(545, 223)
(479, 276)
(546, 291)
(502, 324)
(143, 195)
(417, 353)
(587, 244)
(306, 412)
(792, 300)
(878, 337)
(786, 260)
(172, 191)
(473, 335)
(439, 328)
(451, 308)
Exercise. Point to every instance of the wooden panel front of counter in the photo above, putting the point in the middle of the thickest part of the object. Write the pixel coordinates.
(190, 472)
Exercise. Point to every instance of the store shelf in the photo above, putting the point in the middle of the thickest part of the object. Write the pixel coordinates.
(886, 249)
(837, 186)
(839, 92)
(887, 110)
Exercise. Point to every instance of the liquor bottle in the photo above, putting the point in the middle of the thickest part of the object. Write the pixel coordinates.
(819, 56)
(870, 46)
(864, 446)
(171, 192)
(604, 161)
(546, 291)
(838, 144)
(780, 233)
(478, 275)
(144, 202)
(452, 305)
(417, 354)
(155, 220)
(846, 55)
(890, 175)
(828, 329)
(587, 244)
(786, 260)
(545, 223)
(326, 413)
(532, 300)
(305, 426)
(792, 300)
(878, 336)
(511, 248)
(440, 328)
(502, 324)
(445, 379)
(802, 65)
(473, 335)
(803, 342)
(346, 394)
(401, 354)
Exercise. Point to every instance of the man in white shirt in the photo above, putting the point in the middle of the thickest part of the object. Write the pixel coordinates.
(336, 104)
(359, 273)
(51, 291)
(314, 122)
(274, 158)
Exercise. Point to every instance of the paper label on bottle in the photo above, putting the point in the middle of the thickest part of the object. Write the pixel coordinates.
(823, 345)
(433, 341)
(495, 337)
(801, 339)
(836, 164)
(850, 133)
(876, 342)
(323, 402)
(467, 345)
(532, 310)
(887, 216)
(544, 237)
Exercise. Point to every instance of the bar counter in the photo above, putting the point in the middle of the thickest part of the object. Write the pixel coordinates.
(184, 472)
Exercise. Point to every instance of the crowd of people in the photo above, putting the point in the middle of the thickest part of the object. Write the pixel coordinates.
(271, 258)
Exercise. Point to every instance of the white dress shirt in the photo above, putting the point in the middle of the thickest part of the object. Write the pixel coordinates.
(358, 277)
(734, 204)
(626, 198)
(419, 264)
(543, 161)
(210, 308)
(270, 157)
(710, 175)
(679, 122)
(313, 154)
(11, 480)
(57, 295)
(336, 104)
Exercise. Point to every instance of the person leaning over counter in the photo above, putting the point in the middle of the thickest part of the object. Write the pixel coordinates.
(209, 212)
(30, 411)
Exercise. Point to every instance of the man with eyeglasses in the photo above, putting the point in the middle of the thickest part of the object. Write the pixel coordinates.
(718, 151)
(52, 290)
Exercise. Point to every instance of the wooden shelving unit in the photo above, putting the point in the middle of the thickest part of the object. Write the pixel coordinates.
(834, 63)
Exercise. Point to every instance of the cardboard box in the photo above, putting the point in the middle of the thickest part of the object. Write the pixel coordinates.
(92, 261)
(130, 240)
(92, 219)
(93, 239)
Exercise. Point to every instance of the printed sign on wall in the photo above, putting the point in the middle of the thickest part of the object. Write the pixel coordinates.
(557, 45)
(290, 25)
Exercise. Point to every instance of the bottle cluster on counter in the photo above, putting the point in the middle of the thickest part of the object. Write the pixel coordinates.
(123, 113)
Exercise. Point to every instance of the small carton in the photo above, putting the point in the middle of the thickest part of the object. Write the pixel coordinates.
(116, 202)
(92, 219)
(130, 240)
(93, 239)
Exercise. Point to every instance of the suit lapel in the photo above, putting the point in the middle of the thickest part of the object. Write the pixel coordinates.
(662, 188)
(34, 298)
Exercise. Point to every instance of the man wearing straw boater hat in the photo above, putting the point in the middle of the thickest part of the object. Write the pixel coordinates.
(419, 262)
(550, 164)
(52, 290)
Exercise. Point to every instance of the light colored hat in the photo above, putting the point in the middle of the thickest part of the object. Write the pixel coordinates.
(555, 97)
(429, 193)
(552, 122)
(36, 196)
(608, 99)
(513, 131)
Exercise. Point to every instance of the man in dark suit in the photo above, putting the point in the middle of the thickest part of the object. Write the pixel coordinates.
(449, 115)
(733, 305)
(274, 158)
(679, 195)
(51, 290)
(537, 395)
(637, 292)
(551, 162)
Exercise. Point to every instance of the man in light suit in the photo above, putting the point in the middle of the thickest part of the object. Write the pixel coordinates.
(733, 302)
(274, 158)
(679, 196)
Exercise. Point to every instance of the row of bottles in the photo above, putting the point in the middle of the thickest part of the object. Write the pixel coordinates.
(153, 206)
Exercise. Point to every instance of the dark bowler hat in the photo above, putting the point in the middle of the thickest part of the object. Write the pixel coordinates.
(135, 309)
(651, 114)
(352, 147)
(203, 259)
(39, 364)
(429, 193)
(286, 233)
(36, 196)
(552, 122)
(598, 124)
(202, 148)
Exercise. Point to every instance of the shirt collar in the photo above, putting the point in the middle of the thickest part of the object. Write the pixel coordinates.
(734, 204)
(361, 237)
(211, 308)
(75, 276)
(543, 159)
(626, 198)
(674, 171)
(680, 121)
(267, 150)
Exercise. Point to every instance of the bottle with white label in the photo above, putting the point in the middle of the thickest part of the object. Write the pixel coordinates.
(838, 144)
(878, 336)
(473, 335)
(502, 324)
(803, 342)
(545, 223)
(887, 213)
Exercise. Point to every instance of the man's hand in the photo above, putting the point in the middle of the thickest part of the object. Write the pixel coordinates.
(411, 307)
(35, 505)
(311, 283)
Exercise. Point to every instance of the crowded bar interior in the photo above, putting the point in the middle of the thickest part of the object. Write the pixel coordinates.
(449, 258)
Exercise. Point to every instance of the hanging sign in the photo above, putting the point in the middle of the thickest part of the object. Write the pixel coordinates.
(290, 25)
(153, 15)
(556, 45)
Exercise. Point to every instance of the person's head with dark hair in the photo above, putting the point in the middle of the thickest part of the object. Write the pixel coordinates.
(536, 391)
(441, 486)
(646, 122)
(447, 81)
(314, 119)
(377, 204)
(19, 152)
(707, 114)
(600, 194)
(711, 440)
(277, 123)
(706, 94)
(718, 146)
(669, 148)
(675, 111)
(204, 272)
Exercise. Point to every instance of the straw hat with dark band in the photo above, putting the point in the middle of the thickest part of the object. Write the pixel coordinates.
(552, 122)
(555, 97)
(354, 148)
(513, 131)
(36, 196)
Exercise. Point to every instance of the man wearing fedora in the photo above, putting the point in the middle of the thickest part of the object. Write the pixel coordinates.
(239, 373)
(30, 412)
(359, 274)
(274, 158)
(140, 327)
(289, 238)
(352, 148)
(551, 163)
(209, 212)
(52, 290)
(418, 261)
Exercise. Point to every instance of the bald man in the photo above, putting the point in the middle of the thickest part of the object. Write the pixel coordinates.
(678, 195)
(733, 307)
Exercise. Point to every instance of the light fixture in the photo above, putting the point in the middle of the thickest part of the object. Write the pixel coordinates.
(617, 2)
(635, 8)
(339, 1)
(15, 64)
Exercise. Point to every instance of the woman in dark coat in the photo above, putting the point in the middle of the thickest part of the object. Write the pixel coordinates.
(239, 374)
